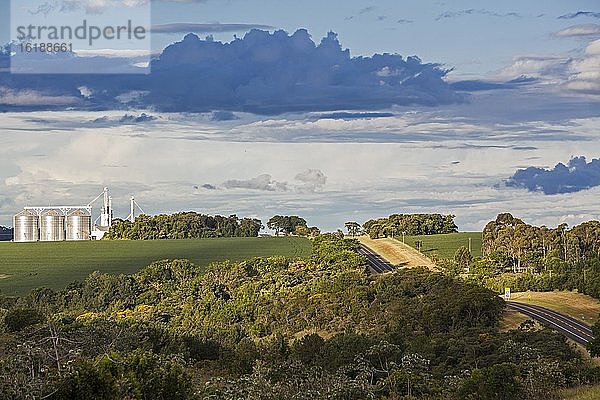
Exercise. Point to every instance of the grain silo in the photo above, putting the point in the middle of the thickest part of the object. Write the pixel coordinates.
(26, 224)
(52, 226)
(79, 225)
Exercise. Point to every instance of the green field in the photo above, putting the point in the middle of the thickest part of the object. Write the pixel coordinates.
(24, 266)
(444, 246)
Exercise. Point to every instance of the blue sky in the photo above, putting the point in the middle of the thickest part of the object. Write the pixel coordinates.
(484, 40)
(476, 43)
(276, 124)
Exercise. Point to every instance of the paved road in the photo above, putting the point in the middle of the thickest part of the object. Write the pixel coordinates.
(376, 262)
(570, 327)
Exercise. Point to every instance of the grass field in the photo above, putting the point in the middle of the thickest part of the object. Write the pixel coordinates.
(444, 246)
(24, 266)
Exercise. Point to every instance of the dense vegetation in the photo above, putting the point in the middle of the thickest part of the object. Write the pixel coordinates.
(6, 234)
(276, 328)
(526, 257)
(291, 224)
(26, 266)
(188, 225)
(512, 243)
(410, 224)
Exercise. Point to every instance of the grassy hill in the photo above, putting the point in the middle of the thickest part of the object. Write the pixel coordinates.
(24, 266)
(444, 246)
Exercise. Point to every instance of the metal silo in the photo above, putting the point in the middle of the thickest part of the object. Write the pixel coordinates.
(26, 227)
(79, 225)
(52, 226)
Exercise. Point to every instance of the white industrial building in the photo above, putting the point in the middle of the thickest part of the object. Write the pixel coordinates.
(59, 223)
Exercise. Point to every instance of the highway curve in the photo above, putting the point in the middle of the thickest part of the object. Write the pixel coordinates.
(376, 262)
(569, 327)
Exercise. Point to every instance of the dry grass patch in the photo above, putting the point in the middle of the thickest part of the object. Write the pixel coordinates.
(581, 393)
(397, 253)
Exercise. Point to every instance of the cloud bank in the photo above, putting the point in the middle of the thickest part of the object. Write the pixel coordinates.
(576, 176)
(263, 73)
(309, 181)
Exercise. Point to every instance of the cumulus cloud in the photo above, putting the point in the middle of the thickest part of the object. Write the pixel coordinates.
(580, 30)
(580, 14)
(578, 74)
(308, 181)
(584, 73)
(273, 73)
(576, 176)
(311, 180)
(472, 11)
(263, 73)
(262, 182)
(547, 68)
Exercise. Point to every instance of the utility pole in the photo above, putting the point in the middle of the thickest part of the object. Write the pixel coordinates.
(469, 245)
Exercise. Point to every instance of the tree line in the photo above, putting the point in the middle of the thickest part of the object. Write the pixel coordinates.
(320, 327)
(512, 243)
(191, 225)
(407, 224)
(6, 234)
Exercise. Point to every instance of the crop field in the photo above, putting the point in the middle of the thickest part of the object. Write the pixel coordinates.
(444, 246)
(24, 266)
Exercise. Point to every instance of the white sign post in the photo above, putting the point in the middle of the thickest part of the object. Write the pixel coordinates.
(507, 293)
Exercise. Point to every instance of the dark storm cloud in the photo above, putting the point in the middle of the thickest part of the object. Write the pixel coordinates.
(264, 73)
(576, 176)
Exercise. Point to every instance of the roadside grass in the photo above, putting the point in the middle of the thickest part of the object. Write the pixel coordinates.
(577, 305)
(581, 393)
(25, 266)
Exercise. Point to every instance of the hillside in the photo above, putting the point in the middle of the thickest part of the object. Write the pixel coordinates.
(315, 328)
(26, 266)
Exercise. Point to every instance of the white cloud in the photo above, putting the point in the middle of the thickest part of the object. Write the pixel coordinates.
(580, 30)
(550, 69)
(585, 72)
(72, 160)
(578, 74)
(33, 98)
(100, 6)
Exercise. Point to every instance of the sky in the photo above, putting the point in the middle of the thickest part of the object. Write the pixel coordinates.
(310, 122)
